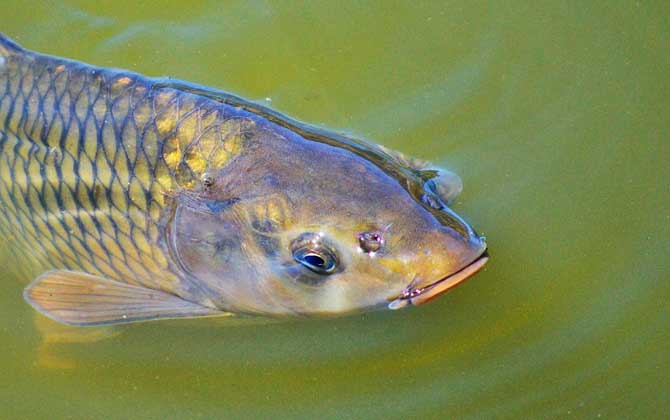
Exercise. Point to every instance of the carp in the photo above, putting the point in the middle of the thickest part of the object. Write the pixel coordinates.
(125, 198)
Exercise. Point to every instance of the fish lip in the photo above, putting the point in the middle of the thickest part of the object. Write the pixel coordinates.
(418, 296)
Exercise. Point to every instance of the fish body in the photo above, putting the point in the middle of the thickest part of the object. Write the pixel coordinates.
(128, 198)
(89, 157)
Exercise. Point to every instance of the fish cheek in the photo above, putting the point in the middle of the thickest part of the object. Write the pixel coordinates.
(269, 245)
(263, 233)
(204, 244)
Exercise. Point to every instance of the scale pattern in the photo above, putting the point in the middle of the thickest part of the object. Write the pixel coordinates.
(87, 156)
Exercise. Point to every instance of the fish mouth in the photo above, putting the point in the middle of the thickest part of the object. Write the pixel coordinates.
(417, 296)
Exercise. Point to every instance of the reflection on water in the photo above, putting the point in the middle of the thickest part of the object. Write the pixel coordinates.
(556, 119)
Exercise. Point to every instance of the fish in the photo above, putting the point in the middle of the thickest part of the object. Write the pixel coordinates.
(125, 198)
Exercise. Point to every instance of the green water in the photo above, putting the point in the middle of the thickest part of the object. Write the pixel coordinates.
(555, 116)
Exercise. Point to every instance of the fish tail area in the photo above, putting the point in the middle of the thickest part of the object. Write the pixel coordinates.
(8, 47)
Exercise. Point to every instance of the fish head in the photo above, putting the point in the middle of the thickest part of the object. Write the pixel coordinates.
(298, 227)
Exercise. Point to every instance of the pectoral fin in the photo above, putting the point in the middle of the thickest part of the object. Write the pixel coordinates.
(83, 299)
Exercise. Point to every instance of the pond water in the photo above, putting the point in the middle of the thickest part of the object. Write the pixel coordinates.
(555, 116)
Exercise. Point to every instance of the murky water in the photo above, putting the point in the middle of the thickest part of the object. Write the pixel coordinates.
(555, 116)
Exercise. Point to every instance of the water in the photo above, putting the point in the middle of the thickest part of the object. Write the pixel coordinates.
(555, 116)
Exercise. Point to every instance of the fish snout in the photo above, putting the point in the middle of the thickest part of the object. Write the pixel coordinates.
(460, 259)
(455, 250)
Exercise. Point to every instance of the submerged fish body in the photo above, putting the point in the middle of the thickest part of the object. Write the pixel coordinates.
(127, 198)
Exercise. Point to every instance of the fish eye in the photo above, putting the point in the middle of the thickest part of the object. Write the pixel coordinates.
(370, 241)
(311, 251)
(319, 263)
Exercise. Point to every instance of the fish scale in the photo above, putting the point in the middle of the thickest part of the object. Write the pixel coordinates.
(129, 199)
(87, 156)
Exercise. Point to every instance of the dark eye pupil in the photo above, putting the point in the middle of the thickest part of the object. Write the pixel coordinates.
(314, 260)
(314, 252)
(319, 263)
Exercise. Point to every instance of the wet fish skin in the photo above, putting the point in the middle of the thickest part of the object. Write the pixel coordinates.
(131, 199)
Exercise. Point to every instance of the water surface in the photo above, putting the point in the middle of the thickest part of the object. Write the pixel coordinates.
(556, 117)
